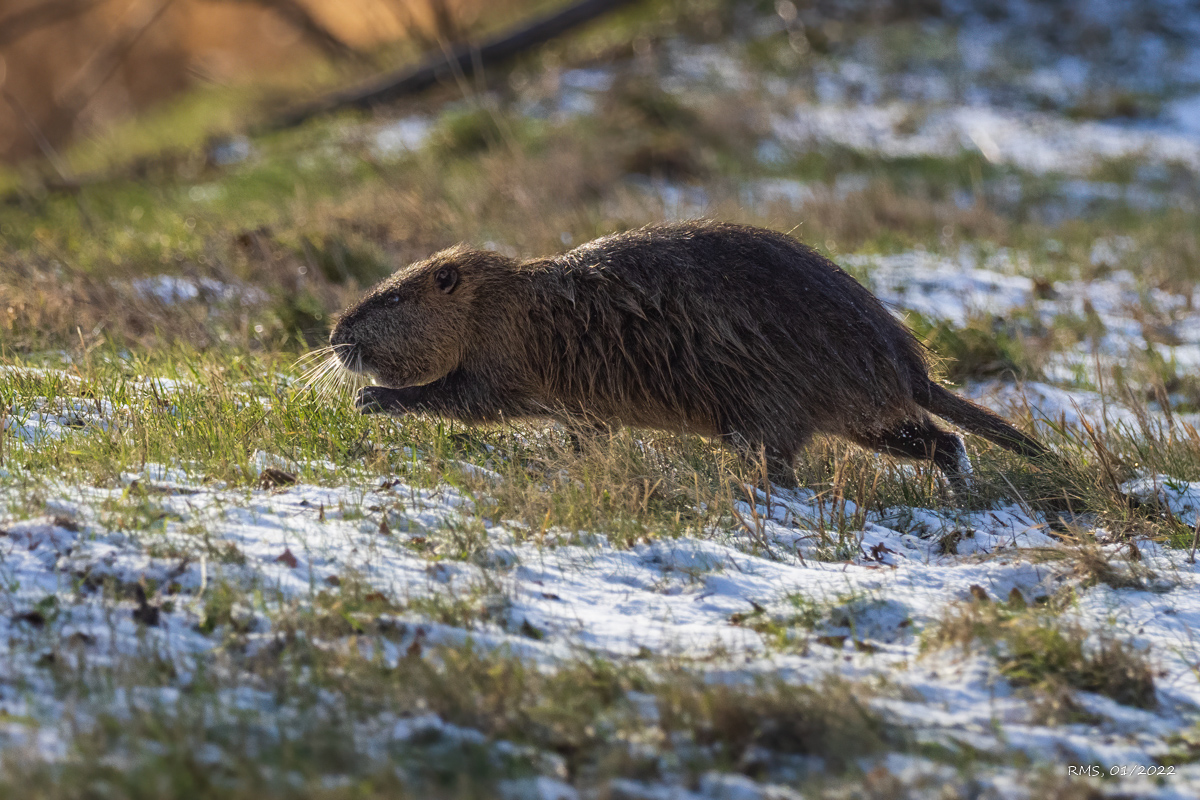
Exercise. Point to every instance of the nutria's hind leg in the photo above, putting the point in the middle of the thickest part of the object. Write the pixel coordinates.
(924, 441)
(781, 469)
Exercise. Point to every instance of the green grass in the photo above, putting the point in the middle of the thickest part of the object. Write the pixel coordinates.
(589, 717)
(1033, 648)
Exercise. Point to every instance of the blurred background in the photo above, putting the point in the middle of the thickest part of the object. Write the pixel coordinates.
(69, 68)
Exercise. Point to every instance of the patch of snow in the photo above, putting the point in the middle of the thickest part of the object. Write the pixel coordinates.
(693, 66)
(588, 80)
(1184, 113)
(680, 596)
(1033, 141)
(230, 150)
(941, 288)
(405, 135)
(1124, 318)
(172, 289)
(540, 788)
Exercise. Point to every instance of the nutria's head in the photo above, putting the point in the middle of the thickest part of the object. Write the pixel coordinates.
(416, 326)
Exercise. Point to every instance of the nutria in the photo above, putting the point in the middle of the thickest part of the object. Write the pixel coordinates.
(729, 331)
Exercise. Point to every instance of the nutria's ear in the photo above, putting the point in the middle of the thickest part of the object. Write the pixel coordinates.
(446, 279)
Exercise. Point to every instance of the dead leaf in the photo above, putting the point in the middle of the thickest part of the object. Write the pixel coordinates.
(272, 477)
(67, 523)
(34, 618)
(145, 613)
(879, 551)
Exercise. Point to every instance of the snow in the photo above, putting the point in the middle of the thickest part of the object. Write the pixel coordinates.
(1032, 141)
(669, 596)
(873, 581)
(1124, 317)
(403, 136)
(172, 289)
(48, 420)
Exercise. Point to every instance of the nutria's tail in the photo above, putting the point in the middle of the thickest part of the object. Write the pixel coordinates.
(979, 420)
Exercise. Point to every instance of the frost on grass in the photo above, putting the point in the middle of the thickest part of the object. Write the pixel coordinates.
(1037, 143)
(792, 585)
(793, 588)
(1124, 322)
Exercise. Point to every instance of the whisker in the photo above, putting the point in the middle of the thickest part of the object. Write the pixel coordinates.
(319, 374)
(312, 355)
(335, 380)
(327, 375)
(314, 374)
(321, 352)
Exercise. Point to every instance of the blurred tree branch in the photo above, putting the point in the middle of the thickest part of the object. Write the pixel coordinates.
(462, 61)
(297, 15)
(442, 27)
(76, 95)
(28, 20)
(35, 131)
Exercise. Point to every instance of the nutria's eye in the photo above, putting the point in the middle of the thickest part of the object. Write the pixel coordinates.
(446, 279)
(392, 299)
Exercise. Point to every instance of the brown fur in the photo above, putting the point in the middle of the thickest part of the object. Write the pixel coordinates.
(725, 330)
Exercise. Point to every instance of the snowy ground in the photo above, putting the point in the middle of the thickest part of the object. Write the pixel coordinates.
(871, 584)
(795, 585)
(675, 596)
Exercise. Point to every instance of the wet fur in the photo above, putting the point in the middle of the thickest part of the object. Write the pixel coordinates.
(725, 330)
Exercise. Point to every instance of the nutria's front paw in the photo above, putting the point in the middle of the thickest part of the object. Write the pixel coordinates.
(380, 399)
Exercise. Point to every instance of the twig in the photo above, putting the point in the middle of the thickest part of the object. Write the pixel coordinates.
(1020, 498)
(759, 531)
(1101, 451)
(298, 16)
(28, 20)
(105, 62)
(1195, 538)
(56, 161)
(466, 59)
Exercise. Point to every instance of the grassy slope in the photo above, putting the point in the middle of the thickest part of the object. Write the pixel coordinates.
(316, 214)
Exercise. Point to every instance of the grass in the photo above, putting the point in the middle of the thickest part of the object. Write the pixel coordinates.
(211, 412)
(589, 717)
(299, 693)
(1033, 648)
